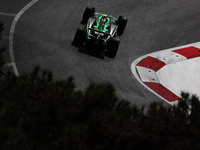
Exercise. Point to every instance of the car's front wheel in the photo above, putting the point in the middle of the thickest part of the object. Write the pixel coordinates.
(89, 11)
(121, 25)
(112, 48)
(79, 37)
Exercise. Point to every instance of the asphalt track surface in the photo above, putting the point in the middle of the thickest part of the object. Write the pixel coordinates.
(44, 33)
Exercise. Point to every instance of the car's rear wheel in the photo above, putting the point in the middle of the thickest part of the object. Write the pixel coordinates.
(121, 25)
(79, 37)
(112, 48)
(89, 11)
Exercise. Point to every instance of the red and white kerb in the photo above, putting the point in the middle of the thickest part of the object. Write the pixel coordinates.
(148, 67)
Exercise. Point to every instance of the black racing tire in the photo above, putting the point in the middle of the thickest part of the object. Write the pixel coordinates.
(79, 37)
(89, 11)
(122, 22)
(112, 48)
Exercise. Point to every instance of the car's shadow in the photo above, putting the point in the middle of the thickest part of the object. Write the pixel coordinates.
(92, 51)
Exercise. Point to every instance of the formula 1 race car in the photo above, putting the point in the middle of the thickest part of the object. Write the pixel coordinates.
(100, 31)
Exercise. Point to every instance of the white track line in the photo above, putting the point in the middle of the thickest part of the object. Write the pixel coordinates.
(11, 35)
(7, 14)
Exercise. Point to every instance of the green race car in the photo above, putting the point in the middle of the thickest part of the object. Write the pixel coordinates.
(101, 30)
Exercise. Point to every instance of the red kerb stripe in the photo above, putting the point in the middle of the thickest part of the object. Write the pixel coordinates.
(188, 52)
(151, 63)
(163, 91)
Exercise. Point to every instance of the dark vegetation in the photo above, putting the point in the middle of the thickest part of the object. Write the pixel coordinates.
(39, 113)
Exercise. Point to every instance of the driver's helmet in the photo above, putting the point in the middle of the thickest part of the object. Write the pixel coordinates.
(104, 19)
